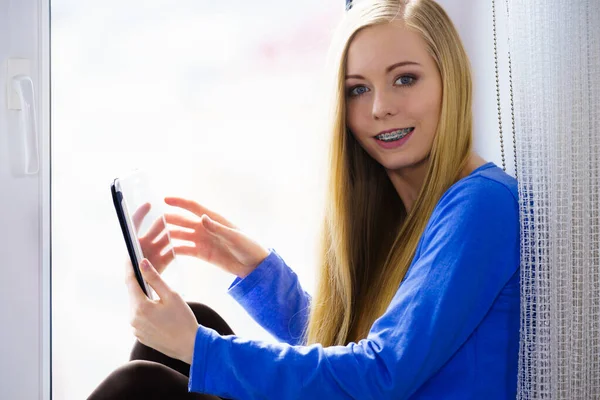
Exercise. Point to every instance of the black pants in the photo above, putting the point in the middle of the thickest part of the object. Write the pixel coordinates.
(152, 375)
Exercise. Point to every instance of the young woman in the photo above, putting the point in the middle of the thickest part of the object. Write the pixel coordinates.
(418, 291)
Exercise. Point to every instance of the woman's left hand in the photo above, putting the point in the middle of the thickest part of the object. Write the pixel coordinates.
(168, 324)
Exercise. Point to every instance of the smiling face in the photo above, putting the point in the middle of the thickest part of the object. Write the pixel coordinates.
(393, 87)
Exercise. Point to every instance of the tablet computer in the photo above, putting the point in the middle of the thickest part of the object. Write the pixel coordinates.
(143, 224)
(134, 248)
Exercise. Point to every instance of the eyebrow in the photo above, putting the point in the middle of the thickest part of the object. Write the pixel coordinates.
(387, 70)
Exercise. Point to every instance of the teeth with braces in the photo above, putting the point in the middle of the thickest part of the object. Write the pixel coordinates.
(391, 136)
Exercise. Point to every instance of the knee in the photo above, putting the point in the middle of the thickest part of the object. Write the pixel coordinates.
(208, 317)
(202, 310)
(140, 370)
(138, 378)
(136, 373)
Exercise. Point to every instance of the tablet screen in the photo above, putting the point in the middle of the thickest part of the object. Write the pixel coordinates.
(143, 212)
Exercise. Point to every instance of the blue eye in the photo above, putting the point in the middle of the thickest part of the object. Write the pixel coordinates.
(357, 91)
(406, 80)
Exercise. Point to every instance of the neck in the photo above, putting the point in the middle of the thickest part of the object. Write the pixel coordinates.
(408, 181)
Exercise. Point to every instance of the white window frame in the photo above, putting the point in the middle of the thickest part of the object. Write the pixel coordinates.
(25, 249)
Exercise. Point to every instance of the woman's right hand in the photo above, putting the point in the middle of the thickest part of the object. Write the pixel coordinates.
(214, 239)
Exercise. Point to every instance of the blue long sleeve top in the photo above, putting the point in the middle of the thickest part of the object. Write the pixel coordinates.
(450, 332)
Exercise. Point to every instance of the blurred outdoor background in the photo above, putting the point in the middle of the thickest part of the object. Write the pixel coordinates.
(221, 102)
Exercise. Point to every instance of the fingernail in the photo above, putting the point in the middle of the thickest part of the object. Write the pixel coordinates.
(145, 264)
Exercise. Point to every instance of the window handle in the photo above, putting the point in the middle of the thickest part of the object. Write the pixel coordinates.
(23, 86)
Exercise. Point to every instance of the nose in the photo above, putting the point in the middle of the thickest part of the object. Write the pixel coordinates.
(384, 105)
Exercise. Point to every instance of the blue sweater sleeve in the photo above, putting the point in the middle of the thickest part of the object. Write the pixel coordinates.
(273, 297)
(468, 252)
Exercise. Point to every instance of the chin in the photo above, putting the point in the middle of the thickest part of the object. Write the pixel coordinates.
(393, 165)
(397, 163)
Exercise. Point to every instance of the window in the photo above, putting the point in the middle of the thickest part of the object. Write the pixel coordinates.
(221, 102)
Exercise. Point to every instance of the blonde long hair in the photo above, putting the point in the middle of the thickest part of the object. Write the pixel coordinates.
(368, 239)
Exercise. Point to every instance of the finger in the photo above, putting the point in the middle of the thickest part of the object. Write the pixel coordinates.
(167, 257)
(128, 271)
(196, 208)
(181, 234)
(219, 229)
(162, 242)
(154, 279)
(185, 250)
(133, 286)
(157, 227)
(180, 220)
(139, 215)
(186, 204)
